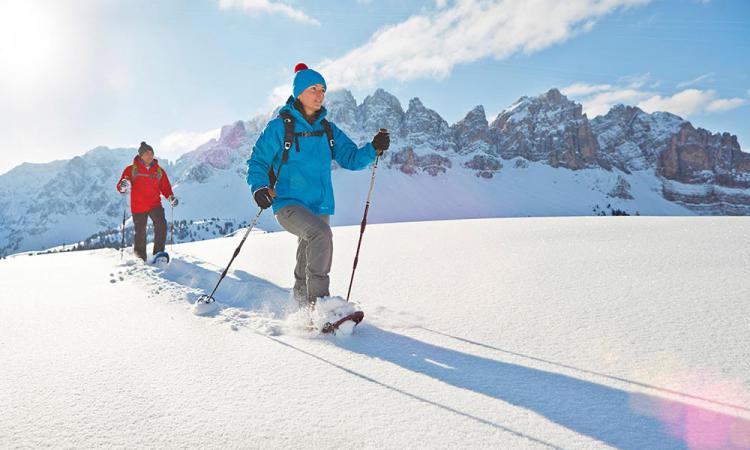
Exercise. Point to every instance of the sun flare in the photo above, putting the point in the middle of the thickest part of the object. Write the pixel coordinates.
(32, 43)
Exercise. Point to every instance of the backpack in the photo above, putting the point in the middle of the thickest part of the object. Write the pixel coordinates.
(134, 173)
(290, 135)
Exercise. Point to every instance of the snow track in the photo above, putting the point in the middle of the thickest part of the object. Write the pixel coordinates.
(527, 333)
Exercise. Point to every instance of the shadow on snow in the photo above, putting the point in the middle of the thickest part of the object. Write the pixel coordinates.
(616, 417)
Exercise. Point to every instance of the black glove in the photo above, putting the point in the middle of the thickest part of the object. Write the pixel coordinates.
(381, 141)
(173, 201)
(263, 198)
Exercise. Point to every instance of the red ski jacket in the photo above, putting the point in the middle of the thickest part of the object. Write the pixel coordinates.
(146, 185)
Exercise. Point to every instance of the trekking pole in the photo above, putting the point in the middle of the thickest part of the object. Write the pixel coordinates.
(124, 218)
(171, 231)
(203, 299)
(363, 224)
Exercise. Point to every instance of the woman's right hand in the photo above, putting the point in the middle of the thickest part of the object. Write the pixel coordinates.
(124, 186)
(263, 197)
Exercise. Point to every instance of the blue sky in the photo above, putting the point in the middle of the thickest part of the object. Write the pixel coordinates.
(77, 74)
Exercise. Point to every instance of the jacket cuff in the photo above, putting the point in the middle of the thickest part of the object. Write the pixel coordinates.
(371, 151)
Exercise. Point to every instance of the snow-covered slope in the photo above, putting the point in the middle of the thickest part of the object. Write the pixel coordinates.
(601, 332)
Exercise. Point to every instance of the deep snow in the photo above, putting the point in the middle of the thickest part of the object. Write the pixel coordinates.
(627, 332)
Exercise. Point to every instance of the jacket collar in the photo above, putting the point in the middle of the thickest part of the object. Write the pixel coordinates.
(299, 117)
(139, 162)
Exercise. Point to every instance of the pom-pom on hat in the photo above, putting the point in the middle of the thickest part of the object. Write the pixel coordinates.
(304, 77)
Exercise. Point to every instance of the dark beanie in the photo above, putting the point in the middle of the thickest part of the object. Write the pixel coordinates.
(144, 148)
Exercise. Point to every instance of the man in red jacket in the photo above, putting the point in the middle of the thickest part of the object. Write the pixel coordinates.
(147, 181)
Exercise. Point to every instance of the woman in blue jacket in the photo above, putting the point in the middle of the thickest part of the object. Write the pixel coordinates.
(290, 170)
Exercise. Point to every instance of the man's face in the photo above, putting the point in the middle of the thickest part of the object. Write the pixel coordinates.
(147, 157)
(312, 98)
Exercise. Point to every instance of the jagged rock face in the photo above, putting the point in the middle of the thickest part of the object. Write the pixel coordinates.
(621, 189)
(696, 156)
(342, 110)
(81, 187)
(485, 165)
(547, 128)
(423, 126)
(472, 133)
(230, 151)
(410, 163)
(380, 110)
(708, 199)
(631, 139)
(706, 172)
(86, 185)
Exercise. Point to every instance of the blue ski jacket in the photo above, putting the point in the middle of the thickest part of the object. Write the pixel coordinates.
(305, 179)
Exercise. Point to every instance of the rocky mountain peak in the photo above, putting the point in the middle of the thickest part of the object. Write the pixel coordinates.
(547, 128)
(476, 115)
(380, 110)
(415, 105)
(233, 135)
(472, 132)
(699, 156)
(424, 126)
(231, 148)
(554, 97)
(631, 139)
(342, 109)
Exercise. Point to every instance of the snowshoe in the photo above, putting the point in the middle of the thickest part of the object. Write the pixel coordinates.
(205, 305)
(355, 317)
(161, 258)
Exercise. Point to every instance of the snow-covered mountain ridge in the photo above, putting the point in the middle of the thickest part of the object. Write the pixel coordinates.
(539, 157)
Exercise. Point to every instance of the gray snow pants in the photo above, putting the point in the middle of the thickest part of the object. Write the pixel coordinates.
(314, 251)
(140, 222)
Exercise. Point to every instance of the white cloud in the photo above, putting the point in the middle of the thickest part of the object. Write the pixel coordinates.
(602, 102)
(585, 89)
(599, 99)
(725, 104)
(638, 81)
(684, 103)
(267, 6)
(175, 144)
(700, 79)
(430, 45)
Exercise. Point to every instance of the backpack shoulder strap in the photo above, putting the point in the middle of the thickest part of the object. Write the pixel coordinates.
(288, 134)
(288, 137)
(329, 134)
(134, 172)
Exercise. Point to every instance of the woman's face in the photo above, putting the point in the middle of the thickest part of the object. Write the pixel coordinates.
(147, 157)
(312, 98)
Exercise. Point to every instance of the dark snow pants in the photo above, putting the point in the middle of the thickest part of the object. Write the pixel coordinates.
(140, 222)
(314, 251)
